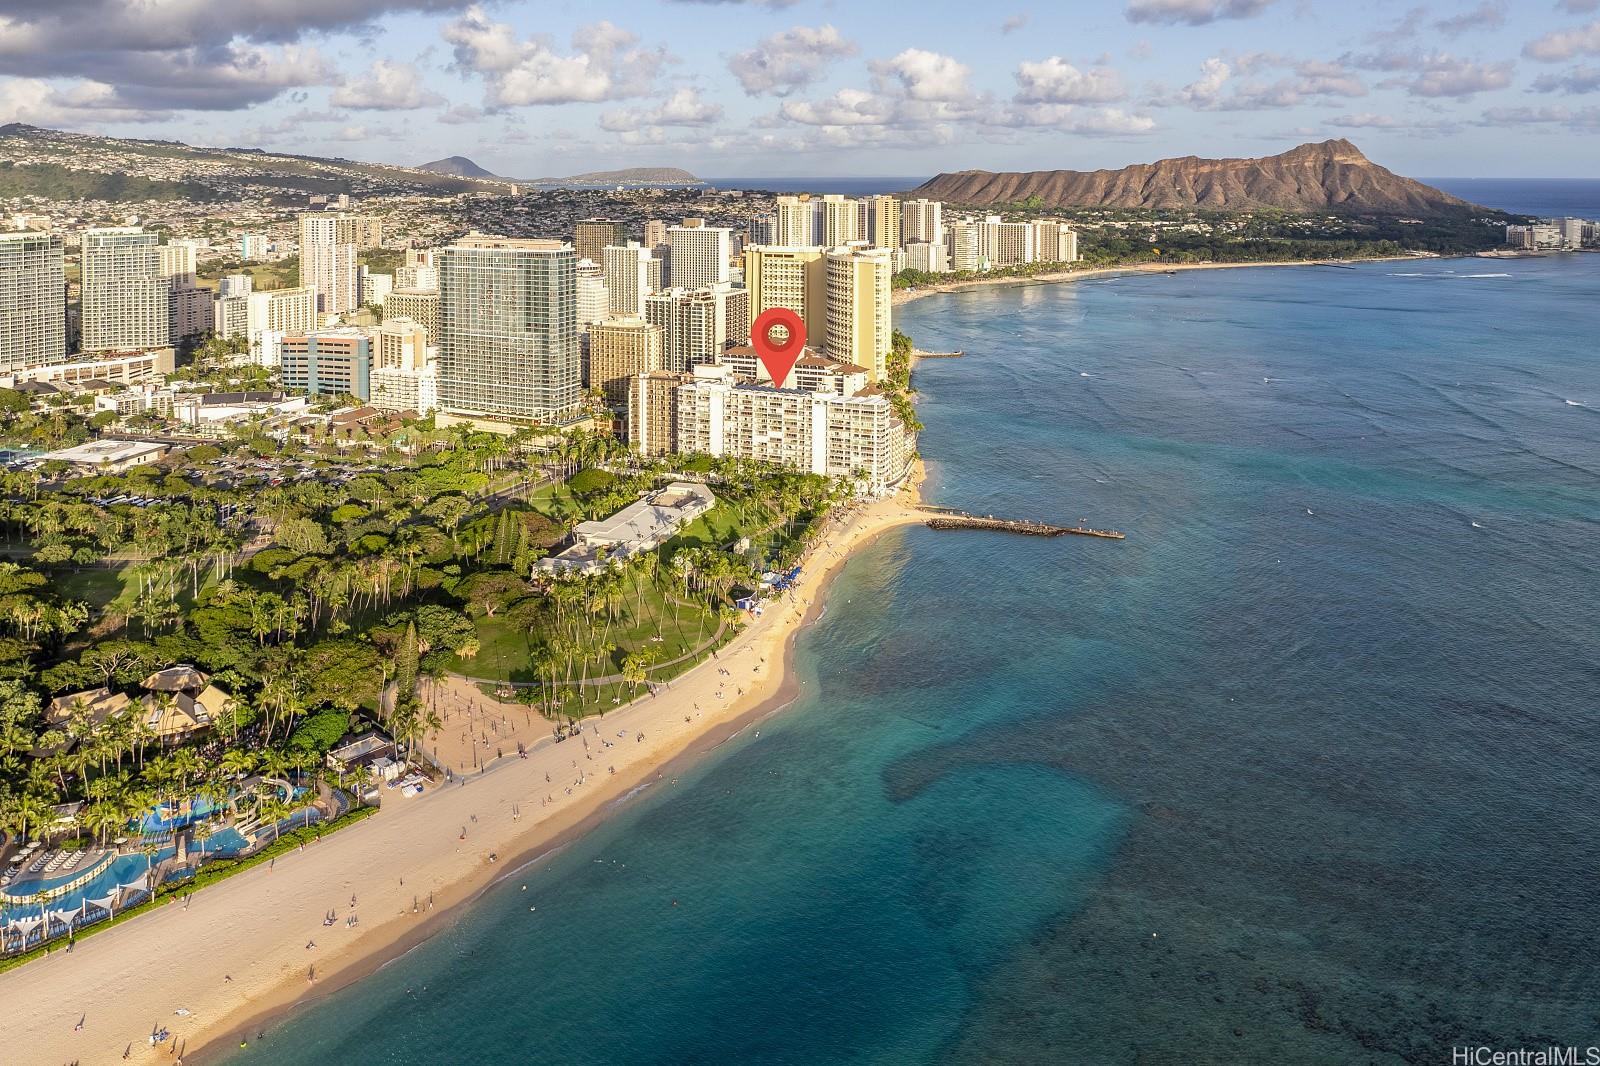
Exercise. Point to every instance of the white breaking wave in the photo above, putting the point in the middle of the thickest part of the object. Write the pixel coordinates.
(1486, 275)
(1575, 403)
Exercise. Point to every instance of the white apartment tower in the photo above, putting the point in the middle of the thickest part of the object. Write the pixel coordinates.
(698, 324)
(33, 303)
(965, 244)
(125, 294)
(632, 272)
(794, 217)
(272, 315)
(922, 220)
(884, 221)
(698, 256)
(328, 261)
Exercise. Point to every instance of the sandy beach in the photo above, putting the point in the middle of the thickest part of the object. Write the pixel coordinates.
(212, 970)
(902, 296)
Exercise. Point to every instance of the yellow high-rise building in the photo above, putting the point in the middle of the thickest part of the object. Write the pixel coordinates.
(620, 349)
(795, 278)
(859, 283)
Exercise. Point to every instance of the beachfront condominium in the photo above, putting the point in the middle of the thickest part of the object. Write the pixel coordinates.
(591, 236)
(926, 256)
(858, 297)
(857, 436)
(632, 272)
(922, 220)
(33, 301)
(795, 278)
(1002, 243)
(698, 256)
(883, 221)
(794, 222)
(508, 329)
(1054, 241)
(699, 324)
(125, 294)
(964, 244)
(621, 349)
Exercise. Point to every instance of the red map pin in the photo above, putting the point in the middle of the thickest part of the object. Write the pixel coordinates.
(779, 359)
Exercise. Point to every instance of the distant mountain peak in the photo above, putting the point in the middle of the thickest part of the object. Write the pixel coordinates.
(457, 166)
(1332, 175)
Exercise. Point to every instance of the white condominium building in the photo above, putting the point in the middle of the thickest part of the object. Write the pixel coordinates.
(632, 272)
(698, 324)
(839, 220)
(330, 270)
(1003, 243)
(254, 246)
(794, 220)
(230, 317)
(926, 256)
(125, 294)
(33, 301)
(698, 256)
(594, 299)
(922, 220)
(884, 218)
(1054, 241)
(965, 244)
(859, 437)
(403, 376)
(271, 315)
(859, 282)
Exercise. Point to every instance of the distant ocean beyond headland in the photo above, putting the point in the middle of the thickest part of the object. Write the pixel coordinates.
(841, 186)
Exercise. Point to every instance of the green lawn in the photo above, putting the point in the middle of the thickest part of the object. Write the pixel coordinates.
(506, 653)
(99, 587)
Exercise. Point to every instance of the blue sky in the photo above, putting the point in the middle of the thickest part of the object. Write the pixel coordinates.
(820, 87)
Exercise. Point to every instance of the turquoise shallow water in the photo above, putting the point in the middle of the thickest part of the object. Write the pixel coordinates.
(1303, 771)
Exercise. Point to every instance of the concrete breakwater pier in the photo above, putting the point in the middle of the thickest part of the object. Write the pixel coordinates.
(950, 518)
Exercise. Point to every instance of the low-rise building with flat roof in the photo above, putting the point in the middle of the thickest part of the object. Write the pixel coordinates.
(639, 527)
(109, 456)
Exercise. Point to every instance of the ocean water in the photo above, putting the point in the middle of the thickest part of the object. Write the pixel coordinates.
(1542, 197)
(1303, 771)
(819, 186)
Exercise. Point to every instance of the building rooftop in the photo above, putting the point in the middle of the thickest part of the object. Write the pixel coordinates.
(640, 526)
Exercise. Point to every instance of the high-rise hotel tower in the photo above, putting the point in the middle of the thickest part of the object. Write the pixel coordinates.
(508, 329)
(125, 293)
(33, 302)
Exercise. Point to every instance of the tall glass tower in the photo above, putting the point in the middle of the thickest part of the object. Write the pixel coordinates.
(508, 329)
